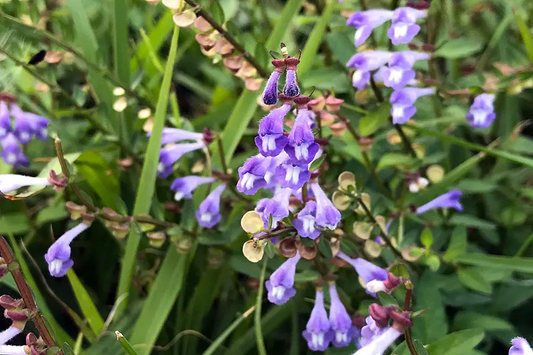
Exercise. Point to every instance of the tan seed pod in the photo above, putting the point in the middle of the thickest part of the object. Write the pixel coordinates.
(288, 247)
(362, 230)
(372, 249)
(252, 223)
(184, 19)
(341, 201)
(202, 25)
(307, 252)
(345, 180)
(253, 250)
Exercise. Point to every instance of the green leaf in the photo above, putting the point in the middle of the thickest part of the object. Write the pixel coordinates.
(307, 276)
(374, 120)
(125, 343)
(419, 347)
(145, 191)
(433, 324)
(86, 304)
(456, 343)
(317, 162)
(270, 250)
(163, 293)
(471, 221)
(525, 31)
(94, 169)
(471, 278)
(394, 159)
(220, 339)
(326, 78)
(503, 262)
(458, 48)
(433, 262)
(476, 186)
(387, 300)
(468, 320)
(426, 238)
(218, 13)
(458, 243)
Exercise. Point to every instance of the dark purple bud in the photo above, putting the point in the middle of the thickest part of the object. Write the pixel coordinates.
(402, 319)
(392, 281)
(7, 98)
(291, 88)
(422, 5)
(288, 247)
(412, 46)
(410, 4)
(428, 47)
(380, 314)
(208, 136)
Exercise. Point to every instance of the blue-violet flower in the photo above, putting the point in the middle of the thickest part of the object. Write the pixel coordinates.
(339, 320)
(252, 174)
(404, 27)
(280, 285)
(520, 346)
(271, 139)
(481, 114)
(327, 215)
(305, 221)
(208, 214)
(58, 255)
(184, 186)
(403, 103)
(318, 331)
(451, 199)
(270, 94)
(366, 21)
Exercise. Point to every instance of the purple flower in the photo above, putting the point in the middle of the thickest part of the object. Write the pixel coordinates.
(302, 146)
(270, 94)
(275, 208)
(173, 135)
(305, 221)
(360, 79)
(399, 72)
(404, 27)
(11, 153)
(10, 182)
(318, 332)
(9, 334)
(450, 199)
(327, 215)
(291, 88)
(270, 175)
(370, 331)
(5, 121)
(184, 186)
(481, 114)
(58, 255)
(208, 214)
(520, 346)
(281, 282)
(39, 125)
(380, 344)
(23, 130)
(366, 21)
(271, 139)
(169, 155)
(252, 174)
(339, 320)
(292, 174)
(403, 103)
(311, 117)
(369, 61)
(366, 270)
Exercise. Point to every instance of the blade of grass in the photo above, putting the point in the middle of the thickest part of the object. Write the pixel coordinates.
(510, 263)
(257, 317)
(246, 104)
(163, 293)
(146, 187)
(218, 341)
(314, 40)
(86, 304)
(525, 32)
(125, 343)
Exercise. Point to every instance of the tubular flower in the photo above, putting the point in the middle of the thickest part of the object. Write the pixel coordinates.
(403, 103)
(275, 208)
(305, 221)
(364, 63)
(10, 182)
(184, 186)
(381, 343)
(291, 88)
(399, 72)
(481, 114)
(340, 321)
(450, 199)
(292, 174)
(302, 146)
(366, 270)
(28, 125)
(280, 285)
(58, 255)
(169, 155)
(270, 175)
(327, 215)
(270, 94)
(270, 139)
(371, 331)
(318, 331)
(252, 174)
(5, 121)
(404, 27)
(173, 135)
(520, 346)
(11, 153)
(366, 21)
(208, 214)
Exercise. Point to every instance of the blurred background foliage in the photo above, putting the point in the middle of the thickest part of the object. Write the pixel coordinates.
(205, 289)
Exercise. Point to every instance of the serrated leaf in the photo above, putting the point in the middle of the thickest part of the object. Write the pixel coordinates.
(374, 120)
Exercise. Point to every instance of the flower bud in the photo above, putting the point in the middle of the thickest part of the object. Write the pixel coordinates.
(288, 247)
(17, 315)
(380, 314)
(253, 250)
(346, 179)
(9, 303)
(252, 223)
(157, 239)
(401, 320)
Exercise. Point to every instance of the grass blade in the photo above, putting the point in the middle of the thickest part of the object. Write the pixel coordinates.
(163, 293)
(146, 188)
(526, 34)
(218, 341)
(86, 304)
(125, 343)
(502, 262)
(120, 46)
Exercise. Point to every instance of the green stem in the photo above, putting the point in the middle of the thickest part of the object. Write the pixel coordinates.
(125, 343)
(222, 155)
(524, 246)
(257, 317)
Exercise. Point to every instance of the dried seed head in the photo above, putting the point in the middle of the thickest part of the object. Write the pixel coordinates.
(346, 179)
(157, 239)
(341, 201)
(288, 247)
(75, 210)
(372, 249)
(307, 252)
(184, 19)
(435, 173)
(317, 104)
(333, 104)
(253, 250)
(202, 25)
(252, 223)
(338, 129)
(362, 230)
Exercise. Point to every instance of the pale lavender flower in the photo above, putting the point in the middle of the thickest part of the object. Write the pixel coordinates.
(327, 215)
(173, 135)
(450, 199)
(318, 331)
(360, 79)
(252, 174)
(302, 146)
(58, 255)
(366, 21)
(5, 121)
(381, 343)
(292, 174)
(291, 88)
(28, 125)
(481, 114)
(280, 285)
(368, 271)
(184, 186)
(369, 61)
(271, 139)
(403, 103)
(12, 153)
(520, 346)
(10, 333)
(13, 349)
(400, 70)
(305, 221)
(270, 175)
(340, 321)
(169, 155)
(371, 331)
(404, 27)
(11, 182)
(208, 214)
(275, 208)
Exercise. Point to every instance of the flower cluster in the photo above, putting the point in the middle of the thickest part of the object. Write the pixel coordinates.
(18, 128)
